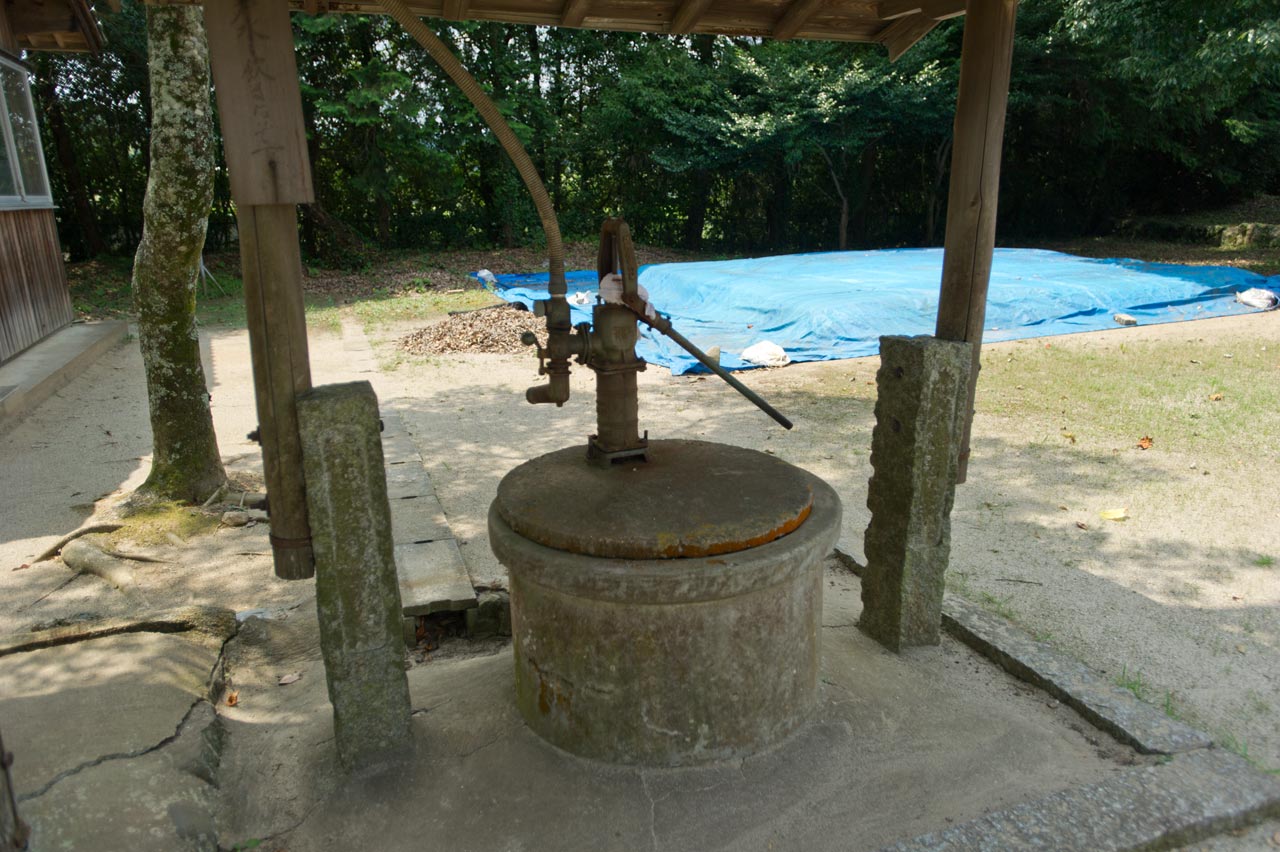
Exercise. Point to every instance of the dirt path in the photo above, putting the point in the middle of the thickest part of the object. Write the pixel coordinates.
(1181, 602)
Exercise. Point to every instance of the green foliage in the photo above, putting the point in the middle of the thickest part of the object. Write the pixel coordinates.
(1117, 108)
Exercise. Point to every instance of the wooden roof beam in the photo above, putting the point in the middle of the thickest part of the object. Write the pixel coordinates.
(574, 12)
(938, 10)
(796, 16)
(30, 19)
(455, 10)
(688, 15)
(904, 32)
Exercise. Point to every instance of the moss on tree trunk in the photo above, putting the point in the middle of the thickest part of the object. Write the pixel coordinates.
(186, 464)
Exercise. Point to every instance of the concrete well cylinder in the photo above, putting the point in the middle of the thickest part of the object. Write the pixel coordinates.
(666, 661)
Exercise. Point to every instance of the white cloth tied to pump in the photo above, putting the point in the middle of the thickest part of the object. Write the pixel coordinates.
(611, 292)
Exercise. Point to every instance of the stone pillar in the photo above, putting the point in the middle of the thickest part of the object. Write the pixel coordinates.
(921, 391)
(357, 591)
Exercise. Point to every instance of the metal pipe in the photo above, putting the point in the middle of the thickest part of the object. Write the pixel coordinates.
(501, 129)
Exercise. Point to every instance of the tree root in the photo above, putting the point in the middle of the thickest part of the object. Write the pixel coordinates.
(72, 536)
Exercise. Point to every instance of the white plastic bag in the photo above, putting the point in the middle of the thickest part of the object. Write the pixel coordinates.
(766, 353)
(1256, 297)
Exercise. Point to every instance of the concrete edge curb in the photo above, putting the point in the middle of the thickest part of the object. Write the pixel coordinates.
(1103, 704)
(422, 565)
(101, 337)
(1196, 792)
(1186, 799)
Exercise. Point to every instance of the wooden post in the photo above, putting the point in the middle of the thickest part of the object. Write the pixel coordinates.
(985, 61)
(260, 108)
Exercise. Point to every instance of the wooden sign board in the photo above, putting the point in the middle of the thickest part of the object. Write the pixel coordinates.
(259, 103)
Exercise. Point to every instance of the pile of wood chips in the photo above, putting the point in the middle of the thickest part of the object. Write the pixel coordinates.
(496, 329)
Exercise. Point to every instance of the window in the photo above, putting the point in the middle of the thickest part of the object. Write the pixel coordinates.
(23, 180)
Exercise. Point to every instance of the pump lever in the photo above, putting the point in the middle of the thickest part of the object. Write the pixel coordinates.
(617, 252)
(662, 324)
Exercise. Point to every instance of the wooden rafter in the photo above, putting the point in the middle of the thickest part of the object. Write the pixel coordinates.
(688, 14)
(796, 16)
(938, 10)
(574, 12)
(456, 10)
(904, 32)
(890, 9)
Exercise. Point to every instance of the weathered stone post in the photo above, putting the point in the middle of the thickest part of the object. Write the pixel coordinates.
(921, 389)
(357, 592)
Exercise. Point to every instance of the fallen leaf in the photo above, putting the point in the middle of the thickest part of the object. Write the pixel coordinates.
(1082, 525)
(1114, 514)
(233, 698)
(1063, 509)
(1070, 436)
(1239, 649)
(22, 566)
(1236, 598)
(1215, 397)
(292, 677)
(1145, 442)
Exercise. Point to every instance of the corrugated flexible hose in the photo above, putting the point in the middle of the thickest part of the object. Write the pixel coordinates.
(506, 137)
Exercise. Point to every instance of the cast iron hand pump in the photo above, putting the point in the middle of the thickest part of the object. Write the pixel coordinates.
(607, 346)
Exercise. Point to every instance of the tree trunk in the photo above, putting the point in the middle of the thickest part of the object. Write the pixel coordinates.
(843, 237)
(186, 464)
(867, 174)
(697, 219)
(778, 213)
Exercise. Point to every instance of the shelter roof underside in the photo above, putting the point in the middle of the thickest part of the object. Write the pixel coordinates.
(897, 24)
(66, 26)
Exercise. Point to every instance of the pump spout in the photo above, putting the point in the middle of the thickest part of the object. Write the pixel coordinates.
(555, 390)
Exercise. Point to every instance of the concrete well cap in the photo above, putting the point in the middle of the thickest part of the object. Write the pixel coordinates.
(690, 499)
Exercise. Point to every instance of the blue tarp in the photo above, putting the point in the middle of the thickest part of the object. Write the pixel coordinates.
(821, 307)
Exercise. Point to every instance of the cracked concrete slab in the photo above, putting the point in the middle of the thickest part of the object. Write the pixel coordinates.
(111, 697)
(159, 802)
(901, 746)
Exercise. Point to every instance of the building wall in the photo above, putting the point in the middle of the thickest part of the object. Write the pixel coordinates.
(34, 300)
